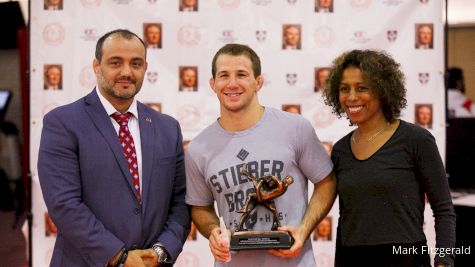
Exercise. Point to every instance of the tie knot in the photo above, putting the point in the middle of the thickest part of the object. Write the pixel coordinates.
(122, 119)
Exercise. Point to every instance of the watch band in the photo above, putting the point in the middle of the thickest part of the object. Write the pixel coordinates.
(123, 257)
(163, 256)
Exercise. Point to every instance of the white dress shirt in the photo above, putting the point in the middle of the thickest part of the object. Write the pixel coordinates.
(133, 128)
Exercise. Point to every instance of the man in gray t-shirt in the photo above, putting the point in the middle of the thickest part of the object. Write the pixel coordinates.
(270, 142)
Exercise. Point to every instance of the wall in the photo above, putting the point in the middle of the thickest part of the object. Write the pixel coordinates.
(461, 53)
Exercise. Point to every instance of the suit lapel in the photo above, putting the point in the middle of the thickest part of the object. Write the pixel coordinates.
(103, 123)
(147, 138)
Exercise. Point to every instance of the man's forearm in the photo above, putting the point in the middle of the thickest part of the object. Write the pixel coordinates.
(324, 194)
(205, 219)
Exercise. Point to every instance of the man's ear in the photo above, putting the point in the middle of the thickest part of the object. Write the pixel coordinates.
(96, 65)
(260, 82)
(211, 83)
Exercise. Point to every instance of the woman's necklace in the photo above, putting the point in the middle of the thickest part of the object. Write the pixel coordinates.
(372, 136)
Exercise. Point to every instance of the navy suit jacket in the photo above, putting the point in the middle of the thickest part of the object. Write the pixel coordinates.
(88, 190)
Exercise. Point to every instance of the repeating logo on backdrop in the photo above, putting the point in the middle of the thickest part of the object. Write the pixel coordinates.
(229, 4)
(291, 78)
(324, 36)
(360, 37)
(91, 3)
(122, 2)
(424, 77)
(87, 77)
(152, 1)
(90, 34)
(227, 36)
(391, 35)
(152, 76)
(53, 34)
(189, 116)
(292, 2)
(261, 35)
(261, 2)
(360, 4)
(392, 2)
(187, 259)
(323, 117)
(189, 36)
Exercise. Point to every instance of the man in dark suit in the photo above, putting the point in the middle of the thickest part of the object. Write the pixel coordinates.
(53, 5)
(324, 6)
(424, 36)
(53, 76)
(188, 79)
(114, 202)
(188, 5)
(291, 37)
(153, 35)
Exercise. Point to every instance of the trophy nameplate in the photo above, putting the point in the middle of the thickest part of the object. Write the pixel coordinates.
(247, 240)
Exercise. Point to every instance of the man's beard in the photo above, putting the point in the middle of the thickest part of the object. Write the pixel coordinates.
(109, 89)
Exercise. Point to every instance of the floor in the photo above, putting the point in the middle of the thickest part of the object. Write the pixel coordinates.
(13, 247)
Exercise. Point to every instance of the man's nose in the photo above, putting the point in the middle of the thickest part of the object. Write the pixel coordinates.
(126, 70)
(232, 81)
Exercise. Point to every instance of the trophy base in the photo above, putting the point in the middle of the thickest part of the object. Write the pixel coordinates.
(247, 240)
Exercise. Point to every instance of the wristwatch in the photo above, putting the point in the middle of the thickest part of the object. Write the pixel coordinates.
(162, 253)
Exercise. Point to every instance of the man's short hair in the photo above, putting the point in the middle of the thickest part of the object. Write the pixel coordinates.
(122, 33)
(238, 50)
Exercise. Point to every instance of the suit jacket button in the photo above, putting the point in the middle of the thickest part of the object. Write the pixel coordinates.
(137, 210)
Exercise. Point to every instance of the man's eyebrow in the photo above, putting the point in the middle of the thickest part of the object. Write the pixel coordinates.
(115, 58)
(138, 58)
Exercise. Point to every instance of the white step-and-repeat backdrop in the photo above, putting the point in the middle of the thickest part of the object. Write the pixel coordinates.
(182, 43)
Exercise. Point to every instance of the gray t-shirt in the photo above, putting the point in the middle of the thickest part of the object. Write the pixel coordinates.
(280, 144)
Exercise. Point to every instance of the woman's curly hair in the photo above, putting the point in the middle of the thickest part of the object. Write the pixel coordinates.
(379, 70)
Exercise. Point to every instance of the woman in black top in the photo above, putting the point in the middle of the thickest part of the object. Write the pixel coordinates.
(385, 168)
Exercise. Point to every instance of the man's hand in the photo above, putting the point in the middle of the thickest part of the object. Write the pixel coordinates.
(296, 248)
(324, 194)
(219, 248)
(142, 258)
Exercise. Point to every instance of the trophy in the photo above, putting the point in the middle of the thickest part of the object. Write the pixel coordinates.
(267, 188)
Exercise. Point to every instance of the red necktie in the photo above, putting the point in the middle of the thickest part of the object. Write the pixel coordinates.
(128, 146)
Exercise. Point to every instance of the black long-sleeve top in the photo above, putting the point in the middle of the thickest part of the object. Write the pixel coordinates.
(382, 198)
